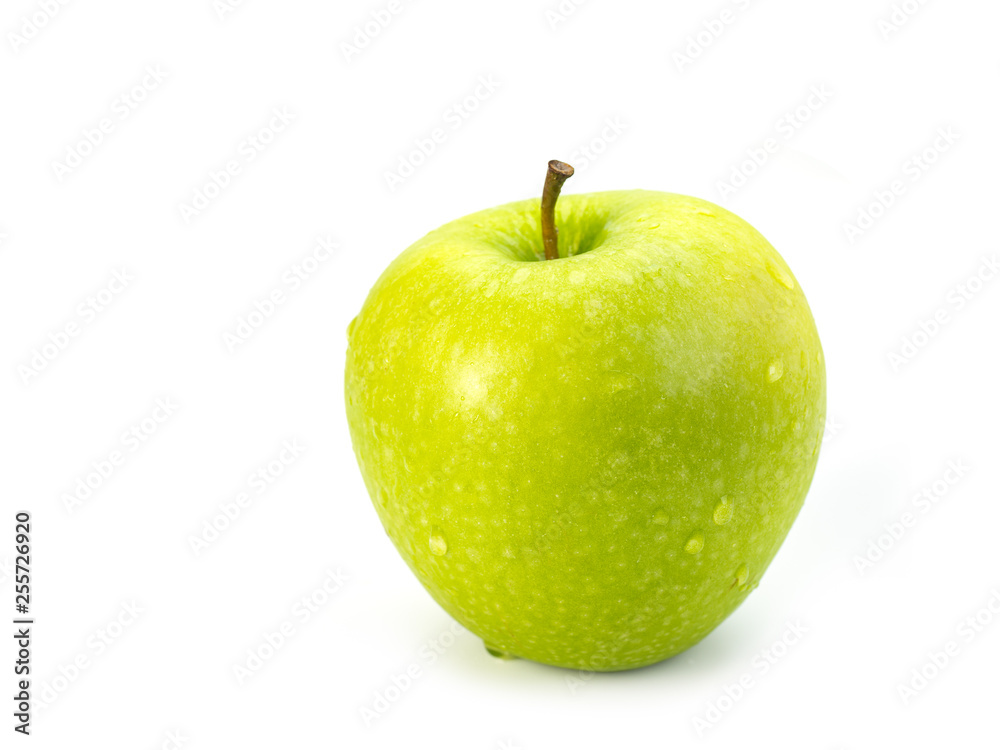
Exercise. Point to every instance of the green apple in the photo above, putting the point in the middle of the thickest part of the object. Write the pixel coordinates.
(589, 460)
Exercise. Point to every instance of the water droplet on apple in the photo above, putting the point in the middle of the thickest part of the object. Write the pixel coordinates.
(439, 546)
(695, 544)
(661, 518)
(654, 226)
(775, 370)
(620, 381)
(780, 275)
(498, 653)
(742, 573)
(723, 511)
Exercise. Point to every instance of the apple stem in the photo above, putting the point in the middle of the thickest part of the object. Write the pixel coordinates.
(558, 173)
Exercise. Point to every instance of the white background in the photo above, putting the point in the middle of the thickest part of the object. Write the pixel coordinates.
(557, 80)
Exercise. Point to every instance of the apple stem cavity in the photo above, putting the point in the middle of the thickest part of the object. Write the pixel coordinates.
(558, 173)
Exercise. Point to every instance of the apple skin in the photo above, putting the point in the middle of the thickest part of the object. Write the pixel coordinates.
(590, 461)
